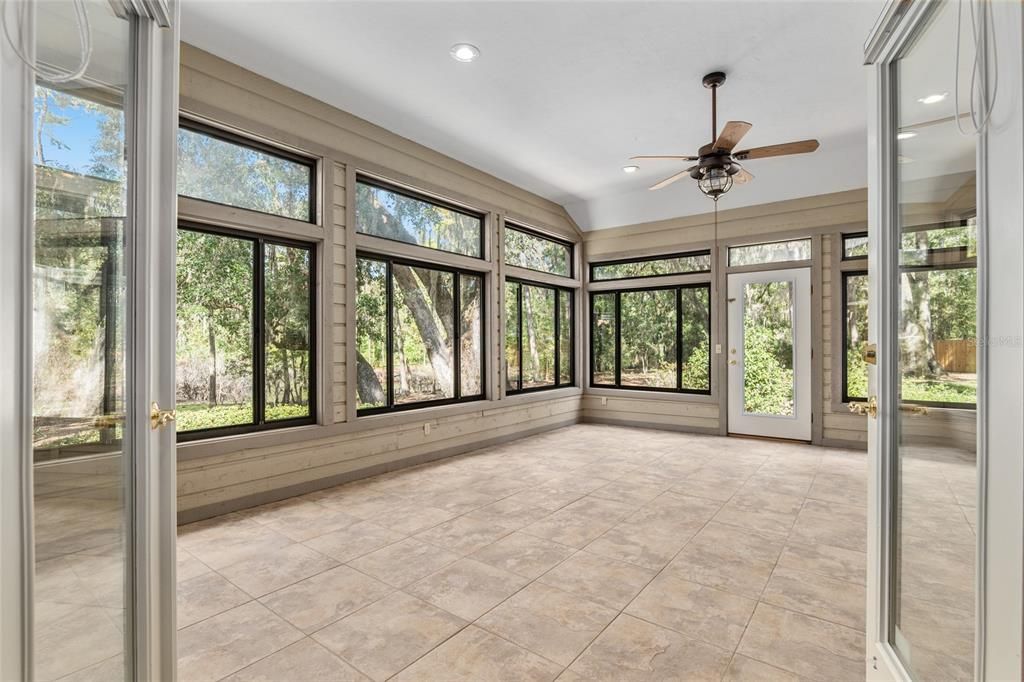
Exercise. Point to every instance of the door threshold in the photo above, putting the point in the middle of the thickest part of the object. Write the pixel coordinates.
(775, 439)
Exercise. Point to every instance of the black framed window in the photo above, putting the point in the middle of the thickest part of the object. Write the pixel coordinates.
(246, 332)
(525, 248)
(652, 339)
(391, 212)
(937, 327)
(855, 245)
(770, 252)
(224, 168)
(653, 266)
(419, 334)
(539, 338)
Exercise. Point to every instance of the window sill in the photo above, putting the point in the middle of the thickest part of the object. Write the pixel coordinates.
(640, 394)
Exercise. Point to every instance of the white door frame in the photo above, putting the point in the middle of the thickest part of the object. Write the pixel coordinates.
(151, 137)
(999, 579)
(799, 426)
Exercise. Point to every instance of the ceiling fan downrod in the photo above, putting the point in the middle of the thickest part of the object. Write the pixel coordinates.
(713, 81)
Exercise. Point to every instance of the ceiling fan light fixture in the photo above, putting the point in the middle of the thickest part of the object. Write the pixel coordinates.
(715, 182)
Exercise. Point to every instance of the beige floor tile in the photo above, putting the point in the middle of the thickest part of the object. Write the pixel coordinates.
(352, 542)
(475, 655)
(270, 572)
(412, 518)
(834, 562)
(305, 660)
(511, 513)
(712, 485)
(238, 540)
(700, 612)
(766, 480)
(831, 523)
(631, 492)
(631, 649)
(581, 522)
(188, 566)
(206, 595)
(743, 669)
(807, 646)
(845, 488)
(228, 642)
(404, 562)
(675, 514)
(389, 634)
(728, 558)
(763, 511)
(300, 519)
(362, 501)
(925, 624)
(816, 595)
(605, 581)
(555, 624)
(523, 554)
(82, 636)
(104, 671)
(329, 596)
(467, 588)
(464, 535)
(638, 545)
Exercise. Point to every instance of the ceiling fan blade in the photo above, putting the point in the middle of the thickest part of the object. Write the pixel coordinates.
(731, 135)
(672, 178)
(801, 147)
(670, 158)
(743, 177)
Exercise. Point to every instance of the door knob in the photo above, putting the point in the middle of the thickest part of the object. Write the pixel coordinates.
(870, 353)
(870, 408)
(732, 362)
(158, 417)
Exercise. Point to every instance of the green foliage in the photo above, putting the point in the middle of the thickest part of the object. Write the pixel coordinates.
(768, 349)
(536, 253)
(387, 214)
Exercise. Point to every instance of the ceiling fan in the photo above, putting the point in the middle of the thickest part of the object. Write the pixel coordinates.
(718, 165)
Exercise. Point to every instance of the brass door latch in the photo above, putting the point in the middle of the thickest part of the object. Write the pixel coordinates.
(870, 408)
(158, 417)
(871, 353)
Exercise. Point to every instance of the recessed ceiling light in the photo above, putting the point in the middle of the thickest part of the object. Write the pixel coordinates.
(906, 135)
(932, 99)
(464, 52)
(630, 169)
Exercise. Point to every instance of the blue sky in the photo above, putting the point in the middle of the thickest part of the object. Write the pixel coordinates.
(78, 134)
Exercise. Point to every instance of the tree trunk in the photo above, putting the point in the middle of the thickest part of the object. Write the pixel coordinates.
(403, 362)
(212, 391)
(368, 386)
(426, 323)
(531, 337)
(287, 376)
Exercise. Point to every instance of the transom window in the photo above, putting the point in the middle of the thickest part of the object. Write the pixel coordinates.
(855, 246)
(527, 249)
(770, 252)
(419, 334)
(539, 341)
(656, 339)
(222, 168)
(383, 210)
(245, 332)
(654, 266)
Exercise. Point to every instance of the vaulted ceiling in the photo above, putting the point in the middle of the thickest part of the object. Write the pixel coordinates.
(564, 92)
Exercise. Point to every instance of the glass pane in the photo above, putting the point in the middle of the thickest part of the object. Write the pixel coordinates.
(512, 336)
(775, 252)
(602, 338)
(538, 336)
(389, 214)
(855, 246)
(423, 318)
(223, 172)
(768, 382)
(653, 267)
(471, 334)
(214, 336)
(82, 542)
(286, 316)
(371, 333)
(934, 541)
(565, 334)
(649, 338)
(856, 330)
(696, 338)
(527, 250)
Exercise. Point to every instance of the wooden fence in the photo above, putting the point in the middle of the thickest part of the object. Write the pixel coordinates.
(957, 355)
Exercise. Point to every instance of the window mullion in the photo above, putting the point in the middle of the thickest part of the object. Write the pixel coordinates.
(259, 334)
(618, 338)
(679, 339)
(558, 337)
(457, 332)
(389, 305)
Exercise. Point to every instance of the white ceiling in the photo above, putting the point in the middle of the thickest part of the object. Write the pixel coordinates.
(564, 92)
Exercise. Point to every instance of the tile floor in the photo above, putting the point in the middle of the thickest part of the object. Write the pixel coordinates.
(591, 552)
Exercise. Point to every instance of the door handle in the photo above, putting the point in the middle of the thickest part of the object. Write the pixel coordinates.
(870, 408)
(159, 418)
(732, 362)
(870, 353)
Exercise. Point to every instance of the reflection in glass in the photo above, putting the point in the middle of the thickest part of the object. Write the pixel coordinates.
(602, 338)
(934, 538)
(649, 338)
(768, 381)
(79, 355)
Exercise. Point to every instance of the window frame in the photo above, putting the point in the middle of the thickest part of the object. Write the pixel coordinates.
(843, 236)
(559, 292)
(648, 259)
(416, 195)
(677, 288)
(390, 261)
(517, 227)
(769, 263)
(258, 336)
(845, 388)
(196, 126)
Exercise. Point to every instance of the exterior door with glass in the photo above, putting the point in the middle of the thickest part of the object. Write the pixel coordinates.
(770, 353)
